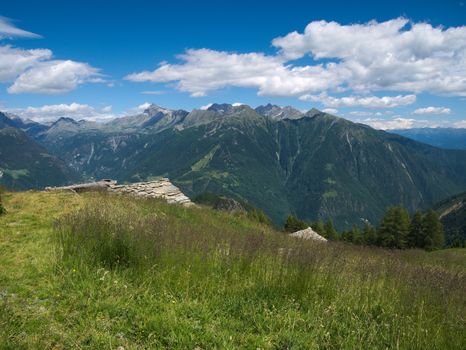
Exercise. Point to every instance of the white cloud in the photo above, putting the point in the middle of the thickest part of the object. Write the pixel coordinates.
(206, 106)
(107, 109)
(395, 123)
(9, 31)
(34, 71)
(433, 110)
(153, 92)
(143, 106)
(395, 55)
(54, 77)
(206, 70)
(459, 124)
(366, 102)
(237, 104)
(330, 110)
(14, 61)
(77, 111)
(399, 122)
(392, 55)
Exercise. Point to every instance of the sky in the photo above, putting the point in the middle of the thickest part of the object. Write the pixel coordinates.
(391, 64)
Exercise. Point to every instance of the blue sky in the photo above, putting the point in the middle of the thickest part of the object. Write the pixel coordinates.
(100, 59)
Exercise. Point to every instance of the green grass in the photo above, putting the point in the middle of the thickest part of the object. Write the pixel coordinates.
(98, 272)
(203, 162)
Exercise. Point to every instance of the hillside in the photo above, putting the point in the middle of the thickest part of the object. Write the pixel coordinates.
(318, 166)
(452, 213)
(93, 272)
(313, 165)
(24, 164)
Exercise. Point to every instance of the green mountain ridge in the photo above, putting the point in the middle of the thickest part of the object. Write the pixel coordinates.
(316, 166)
(24, 164)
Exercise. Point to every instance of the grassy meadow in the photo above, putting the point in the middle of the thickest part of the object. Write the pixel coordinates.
(104, 272)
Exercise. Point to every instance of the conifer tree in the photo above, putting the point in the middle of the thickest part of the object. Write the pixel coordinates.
(369, 235)
(416, 237)
(394, 228)
(330, 232)
(293, 224)
(355, 235)
(319, 227)
(433, 231)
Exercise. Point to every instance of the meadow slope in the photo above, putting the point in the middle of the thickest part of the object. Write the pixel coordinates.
(101, 272)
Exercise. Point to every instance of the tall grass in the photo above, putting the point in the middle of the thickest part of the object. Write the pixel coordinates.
(234, 283)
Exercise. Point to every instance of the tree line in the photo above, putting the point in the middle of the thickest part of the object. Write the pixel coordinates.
(397, 230)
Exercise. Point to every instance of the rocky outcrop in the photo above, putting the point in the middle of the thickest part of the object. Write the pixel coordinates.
(103, 185)
(162, 188)
(308, 233)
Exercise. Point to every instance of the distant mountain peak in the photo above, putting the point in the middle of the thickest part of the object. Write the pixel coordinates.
(277, 112)
(6, 121)
(221, 107)
(154, 109)
(64, 121)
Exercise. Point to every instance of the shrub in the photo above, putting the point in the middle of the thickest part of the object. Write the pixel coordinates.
(294, 224)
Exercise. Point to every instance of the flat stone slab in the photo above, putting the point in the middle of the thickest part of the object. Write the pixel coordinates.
(162, 188)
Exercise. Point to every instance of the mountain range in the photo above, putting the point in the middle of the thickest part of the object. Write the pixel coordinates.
(450, 138)
(313, 165)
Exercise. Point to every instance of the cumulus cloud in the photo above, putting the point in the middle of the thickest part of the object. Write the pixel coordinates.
(14, 61)
(34, 70)
(395, 123)
(399, 122)
(54, 77)
(138, 109)
(9, 31)
(433, 110)
(206, 70)
(460, 124)
(395, 55)
(206, 106)
(330, 110)
(367, 102)
(392, 55)
(77, 111)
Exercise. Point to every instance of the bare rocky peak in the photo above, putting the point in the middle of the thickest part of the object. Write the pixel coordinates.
(277, 112)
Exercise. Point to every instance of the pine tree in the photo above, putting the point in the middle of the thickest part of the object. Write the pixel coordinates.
(369, 235)
(416, 236)
(319, 227)
(293, 224)
(394, 228)
(330, 232)
(356, 236)
(433, 231)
